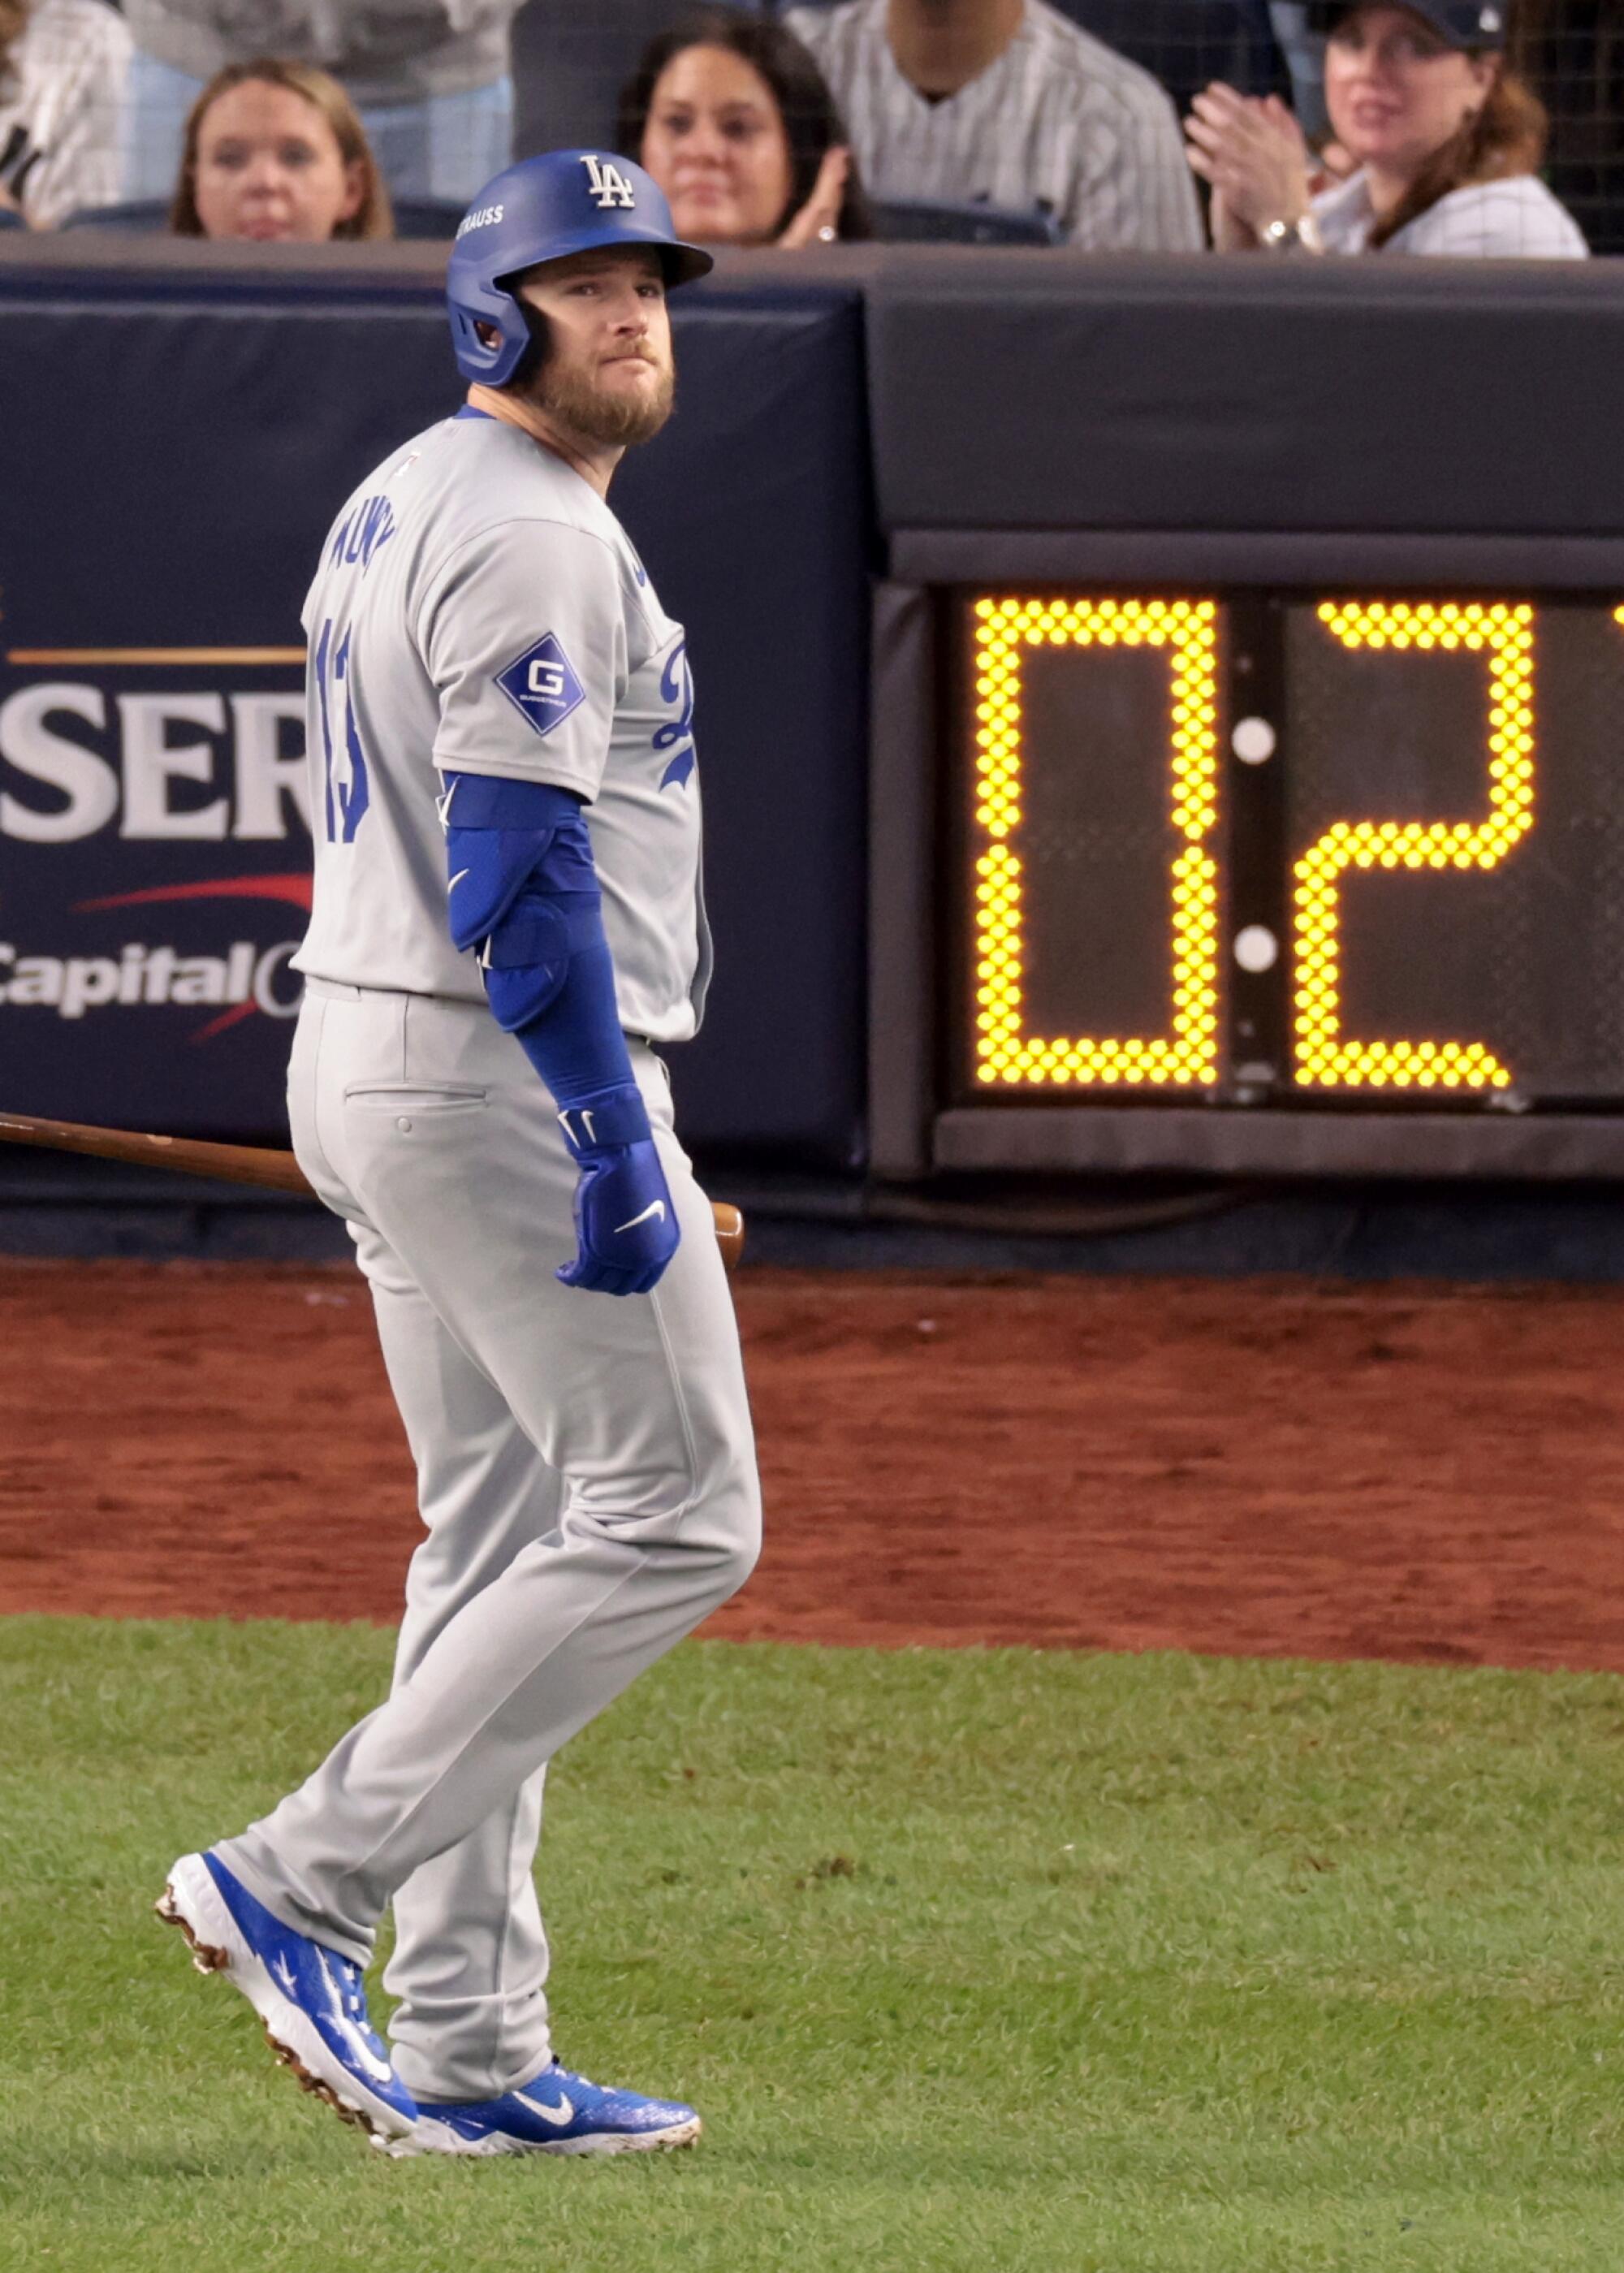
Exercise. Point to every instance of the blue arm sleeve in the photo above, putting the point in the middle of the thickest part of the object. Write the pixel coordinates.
(524, 892)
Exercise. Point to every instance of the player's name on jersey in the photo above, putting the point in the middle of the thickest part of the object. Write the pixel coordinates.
(76, 760)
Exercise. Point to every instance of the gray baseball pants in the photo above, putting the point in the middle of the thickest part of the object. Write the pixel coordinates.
(586, 1477)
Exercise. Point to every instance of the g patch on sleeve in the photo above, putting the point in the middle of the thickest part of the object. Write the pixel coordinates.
(542, 684)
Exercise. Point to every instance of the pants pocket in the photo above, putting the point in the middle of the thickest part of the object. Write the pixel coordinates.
(399, 1098)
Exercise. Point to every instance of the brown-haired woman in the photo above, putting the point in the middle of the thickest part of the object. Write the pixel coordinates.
(1446, 144)
(734, 120)
(274, 152)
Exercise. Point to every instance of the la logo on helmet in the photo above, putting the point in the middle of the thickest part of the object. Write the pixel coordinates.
(606, 185)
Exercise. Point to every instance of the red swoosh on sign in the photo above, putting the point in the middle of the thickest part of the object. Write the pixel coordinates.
(294, 890)
(232, 1018)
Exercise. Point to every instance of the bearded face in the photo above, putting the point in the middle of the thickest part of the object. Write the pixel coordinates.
(606, 375)
(616, 401)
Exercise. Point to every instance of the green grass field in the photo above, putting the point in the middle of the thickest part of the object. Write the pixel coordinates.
(973, 1959)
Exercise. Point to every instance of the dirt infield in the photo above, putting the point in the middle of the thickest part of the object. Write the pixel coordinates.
(1255, 1467)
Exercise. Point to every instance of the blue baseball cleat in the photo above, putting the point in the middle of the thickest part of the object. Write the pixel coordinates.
(310, 1997)
(558, 2113)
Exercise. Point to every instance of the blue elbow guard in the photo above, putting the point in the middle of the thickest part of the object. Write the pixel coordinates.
(524, 894)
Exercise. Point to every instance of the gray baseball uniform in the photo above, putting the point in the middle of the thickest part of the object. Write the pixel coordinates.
(585, 1465)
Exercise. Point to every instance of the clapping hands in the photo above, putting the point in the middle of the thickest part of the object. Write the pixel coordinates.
(1253, 154)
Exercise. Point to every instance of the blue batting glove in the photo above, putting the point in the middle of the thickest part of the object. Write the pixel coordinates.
(625, 1225)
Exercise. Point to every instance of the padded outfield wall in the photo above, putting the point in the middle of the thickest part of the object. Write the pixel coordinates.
(1152, 713)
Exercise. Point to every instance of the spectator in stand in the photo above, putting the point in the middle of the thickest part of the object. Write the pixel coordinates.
(731, 117)
(275, 155)
(430, 78)
(1447, 144)
(62, 70)
(1005, 103)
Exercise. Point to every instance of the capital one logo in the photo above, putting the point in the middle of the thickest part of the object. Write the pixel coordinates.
(606, 185)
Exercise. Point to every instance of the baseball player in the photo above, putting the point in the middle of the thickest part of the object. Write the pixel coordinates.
(507, 914)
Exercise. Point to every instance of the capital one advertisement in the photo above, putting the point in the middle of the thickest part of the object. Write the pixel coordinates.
(171, 453)
(154, 883)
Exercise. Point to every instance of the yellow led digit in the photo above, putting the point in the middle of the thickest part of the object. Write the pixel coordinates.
(1004, 629)
(1505, 635)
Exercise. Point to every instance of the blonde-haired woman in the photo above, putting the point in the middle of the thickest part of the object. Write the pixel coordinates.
(64, 65)
(274, 152)
(1445, 142)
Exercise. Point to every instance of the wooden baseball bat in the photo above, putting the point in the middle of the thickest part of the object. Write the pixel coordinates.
(260, 1165)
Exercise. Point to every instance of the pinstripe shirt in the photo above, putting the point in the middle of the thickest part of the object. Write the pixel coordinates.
(1503, 219)
(1060, 122)
(60, 92)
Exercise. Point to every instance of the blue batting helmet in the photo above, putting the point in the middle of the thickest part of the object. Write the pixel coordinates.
(544, 209)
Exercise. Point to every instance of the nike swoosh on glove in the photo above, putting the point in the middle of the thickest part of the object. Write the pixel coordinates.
(625, 1225)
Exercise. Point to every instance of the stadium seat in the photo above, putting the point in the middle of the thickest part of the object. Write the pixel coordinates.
(1188, 43)
(917, 220)
(426, 218)
(149, 215)
(432, 218)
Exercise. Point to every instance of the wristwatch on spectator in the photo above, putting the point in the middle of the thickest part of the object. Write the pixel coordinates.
(1299, 236)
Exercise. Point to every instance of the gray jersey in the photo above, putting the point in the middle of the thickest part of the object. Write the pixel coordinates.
(478, 609)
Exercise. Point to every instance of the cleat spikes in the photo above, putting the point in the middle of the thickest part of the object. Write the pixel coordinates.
(345, 2109)
(193, 1902)
(205, 1959)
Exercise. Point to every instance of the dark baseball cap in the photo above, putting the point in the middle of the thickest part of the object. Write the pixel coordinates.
(1469, 24)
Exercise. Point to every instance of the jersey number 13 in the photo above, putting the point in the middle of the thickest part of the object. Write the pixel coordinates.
(344, 766)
